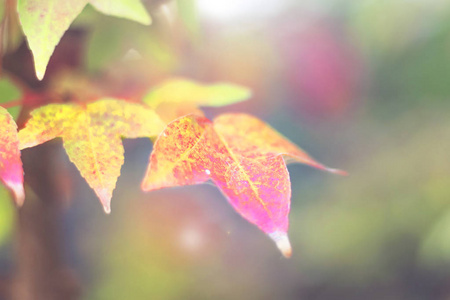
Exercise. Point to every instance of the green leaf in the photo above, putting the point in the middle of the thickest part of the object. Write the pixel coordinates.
(180, 90)
(177, 97)
(45, 21)
(129, 9)
(8, 93)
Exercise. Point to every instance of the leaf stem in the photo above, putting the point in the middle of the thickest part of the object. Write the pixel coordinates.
(11, 103)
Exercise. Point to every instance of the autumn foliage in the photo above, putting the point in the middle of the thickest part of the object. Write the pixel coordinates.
(243, 156)
(11, 173)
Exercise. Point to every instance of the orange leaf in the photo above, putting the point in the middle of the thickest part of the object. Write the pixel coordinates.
(11, 172)
(242, 155)
(178, 97)
(92, 137)
(246, 130)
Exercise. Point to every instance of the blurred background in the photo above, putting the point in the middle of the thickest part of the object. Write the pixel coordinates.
(360, 85)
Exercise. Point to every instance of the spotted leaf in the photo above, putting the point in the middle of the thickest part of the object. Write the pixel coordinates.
(242, 155)
(11, 172)
(92, 135)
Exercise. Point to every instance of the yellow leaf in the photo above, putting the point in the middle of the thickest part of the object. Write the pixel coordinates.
(178, 97)
(92, 137)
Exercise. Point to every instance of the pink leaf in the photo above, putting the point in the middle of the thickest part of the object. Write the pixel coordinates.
(11, 172)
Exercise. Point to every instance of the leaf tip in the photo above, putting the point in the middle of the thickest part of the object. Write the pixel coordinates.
(107, 208)
(18, 192)
(147, 20)
(320, 166)
(105, 199)
(40, 74)
(144, 185)
(246, 93)
(337, 171)
(282, 241)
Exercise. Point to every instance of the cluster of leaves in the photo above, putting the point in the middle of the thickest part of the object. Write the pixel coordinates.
(242, 155)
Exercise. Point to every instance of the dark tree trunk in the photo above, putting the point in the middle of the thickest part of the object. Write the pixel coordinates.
(41, 271)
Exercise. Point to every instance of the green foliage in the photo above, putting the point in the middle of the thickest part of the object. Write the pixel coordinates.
(44, 22)
(10, 92)
(129, 9)
(186, 92)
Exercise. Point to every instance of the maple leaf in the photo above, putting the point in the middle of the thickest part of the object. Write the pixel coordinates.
(244, 129)
(242, 155)
(45, 21)
(177, 97)
(91, 135)
(11, 172)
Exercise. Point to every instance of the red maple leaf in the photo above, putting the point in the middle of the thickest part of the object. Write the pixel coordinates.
(11, 172)
(242, 155)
